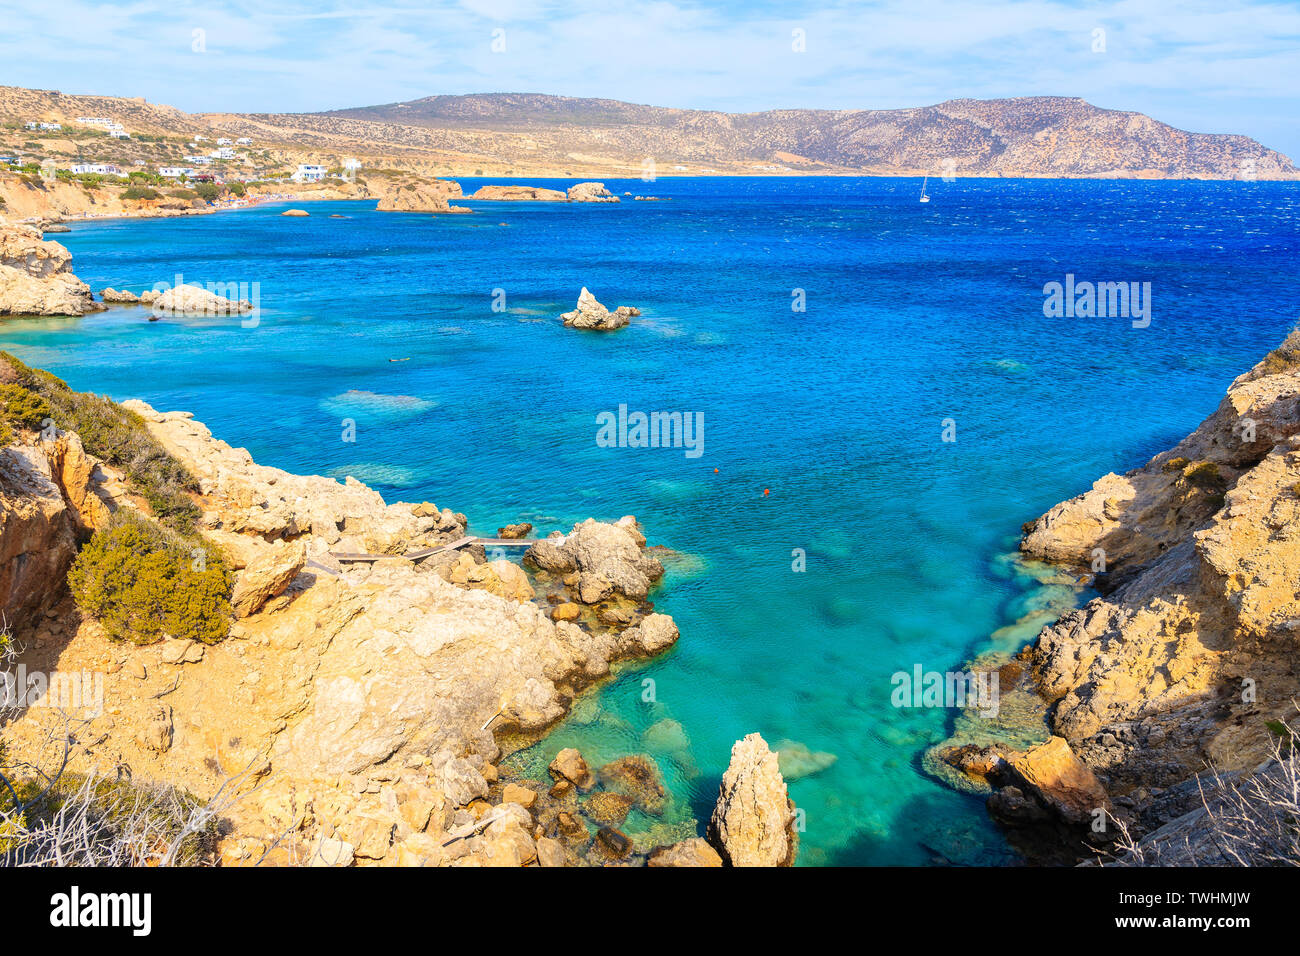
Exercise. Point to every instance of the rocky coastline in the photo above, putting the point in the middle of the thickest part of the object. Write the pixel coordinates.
(357, 712)
(1172, 692)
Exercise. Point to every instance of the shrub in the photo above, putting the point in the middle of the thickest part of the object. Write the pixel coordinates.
(237, 189)
(21, 406)
(1205, 474)
(140, 192)
(1174, 464)
(142, 583)
(119, 437)
(182, 194)
(208, 191)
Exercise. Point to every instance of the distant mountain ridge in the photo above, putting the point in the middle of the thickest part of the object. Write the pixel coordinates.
(1022, 136)
(524, 134)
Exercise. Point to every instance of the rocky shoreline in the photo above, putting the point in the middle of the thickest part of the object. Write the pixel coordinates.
(358, 711)
(1172, 691)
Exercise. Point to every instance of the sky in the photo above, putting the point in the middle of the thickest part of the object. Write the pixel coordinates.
(1216, 67)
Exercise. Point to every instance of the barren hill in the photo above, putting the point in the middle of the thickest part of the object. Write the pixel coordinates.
(536, 134)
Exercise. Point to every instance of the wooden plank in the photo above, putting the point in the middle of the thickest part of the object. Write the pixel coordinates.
(410, 555)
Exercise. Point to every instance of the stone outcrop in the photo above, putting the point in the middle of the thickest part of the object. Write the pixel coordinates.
(355, 705)
(266, 576)
(52, 494)
(297, 213)
(1193, 649)
(590, 192)
(753, 821)
(609, 559)
(119, 296)
(518, 194)
(194, 301)
(432, 196)
(590, 314)
(36, 276)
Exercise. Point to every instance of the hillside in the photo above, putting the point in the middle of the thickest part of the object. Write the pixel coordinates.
(533, 134)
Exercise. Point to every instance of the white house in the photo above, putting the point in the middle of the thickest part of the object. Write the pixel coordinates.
(198, 160)
(244, 141)
(119, 134)
(51, 127)
(308, 173)
(224, 152)
(223, 141)
(101, 169)
(173, 172)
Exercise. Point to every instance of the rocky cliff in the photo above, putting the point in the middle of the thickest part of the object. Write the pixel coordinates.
(36, 276)
(1190, 661)
(359, 709)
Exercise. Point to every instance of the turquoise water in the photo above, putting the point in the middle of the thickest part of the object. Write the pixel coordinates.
(915, 314)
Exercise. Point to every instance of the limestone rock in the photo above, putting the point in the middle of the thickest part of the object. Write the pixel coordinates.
(1053, 774)
(518, 194)
(610, 557)
(267, 576)
(36, 276)
(429, 196)
(590, 314)
(590, 192)
(569, 765)
(692, 852)
(193, 301)
(752, 823)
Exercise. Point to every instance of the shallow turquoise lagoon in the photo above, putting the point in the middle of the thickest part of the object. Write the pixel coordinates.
(914, 314)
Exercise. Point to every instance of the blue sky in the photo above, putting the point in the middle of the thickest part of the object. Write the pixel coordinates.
(1207, 67)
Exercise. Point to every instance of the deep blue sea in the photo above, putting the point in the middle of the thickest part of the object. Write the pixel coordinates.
(822, 428)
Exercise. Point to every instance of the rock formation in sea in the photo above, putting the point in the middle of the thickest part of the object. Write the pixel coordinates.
(192, 300)
(590, 314)
(518, 194)
(590, 192)
(424, 196)
(36, 276)
(753, 823)
(1189, 658)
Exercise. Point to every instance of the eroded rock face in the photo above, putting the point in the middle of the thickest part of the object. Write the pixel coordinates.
(590, 314)
(36, 276)
(421, 197)
(267, 575)
(753, 821)
(37, 534)
(1194, 646)
(610, 558)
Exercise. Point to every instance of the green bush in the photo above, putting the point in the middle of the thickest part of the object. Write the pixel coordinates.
(119, 437)
(237, 189)
(140, 192)
(182, 194)
(143, 583)
(208, 191)
(21, 406)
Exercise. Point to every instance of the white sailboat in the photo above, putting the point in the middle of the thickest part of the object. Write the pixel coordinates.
(924, 197)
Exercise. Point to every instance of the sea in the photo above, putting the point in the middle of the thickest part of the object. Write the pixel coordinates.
(880, 390)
